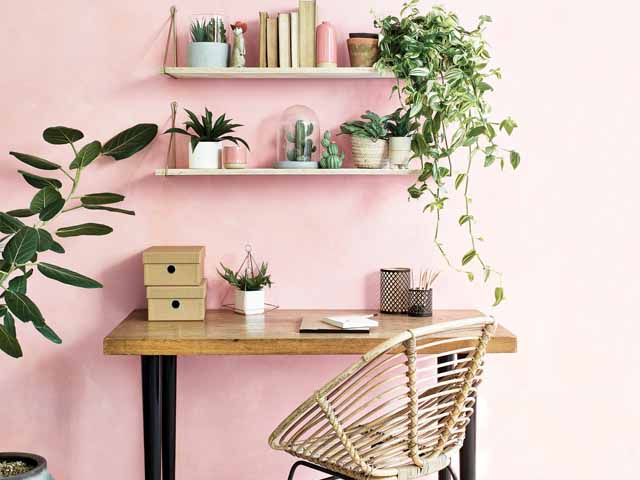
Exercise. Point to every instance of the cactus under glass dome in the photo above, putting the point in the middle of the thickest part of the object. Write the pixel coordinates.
(298, 138)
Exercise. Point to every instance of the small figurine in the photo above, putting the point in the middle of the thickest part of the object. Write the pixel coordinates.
(239, 54)
(331, 157)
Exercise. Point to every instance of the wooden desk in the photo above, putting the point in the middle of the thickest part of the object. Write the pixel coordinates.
(275, 333)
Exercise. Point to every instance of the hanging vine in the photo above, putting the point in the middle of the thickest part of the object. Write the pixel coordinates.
(443, 76)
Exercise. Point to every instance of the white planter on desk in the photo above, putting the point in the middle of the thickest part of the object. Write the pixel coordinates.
(249, 303)
(205, 155)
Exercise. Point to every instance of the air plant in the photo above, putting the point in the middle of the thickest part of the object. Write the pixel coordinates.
(250, 280)
(206, 130)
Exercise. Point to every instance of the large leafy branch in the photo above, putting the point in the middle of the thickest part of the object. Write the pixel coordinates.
(443, 78)
(22, 244)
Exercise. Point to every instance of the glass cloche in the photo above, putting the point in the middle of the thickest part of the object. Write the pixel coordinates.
(298, 138)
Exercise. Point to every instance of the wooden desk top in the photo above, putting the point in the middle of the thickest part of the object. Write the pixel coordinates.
(275, 333)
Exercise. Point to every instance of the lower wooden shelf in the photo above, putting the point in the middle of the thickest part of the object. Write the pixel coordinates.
(188, 172)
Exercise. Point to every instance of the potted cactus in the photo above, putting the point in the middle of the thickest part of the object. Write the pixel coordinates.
(208, 47)
(331, 157)
(298, 138)
(368, 140)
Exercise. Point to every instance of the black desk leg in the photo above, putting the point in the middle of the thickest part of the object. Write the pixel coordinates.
(169, 370)
(444, 474)
(468, 450)
(151, 416)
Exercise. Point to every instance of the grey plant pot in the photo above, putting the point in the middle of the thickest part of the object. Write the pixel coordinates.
(39, 471)
(290, 164)
(208, 54)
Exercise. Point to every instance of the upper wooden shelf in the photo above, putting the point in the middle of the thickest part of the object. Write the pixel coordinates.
(170, 172)
(253, 72)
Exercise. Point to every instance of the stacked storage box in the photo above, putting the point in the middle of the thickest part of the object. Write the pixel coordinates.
(176, 287)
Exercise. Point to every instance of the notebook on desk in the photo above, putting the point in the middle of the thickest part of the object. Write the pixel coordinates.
(320, 325)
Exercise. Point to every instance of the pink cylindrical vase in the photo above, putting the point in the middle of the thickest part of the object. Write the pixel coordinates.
(234, 156)
(326, 46)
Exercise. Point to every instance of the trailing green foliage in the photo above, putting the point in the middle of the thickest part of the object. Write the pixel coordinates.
(250, 280)
(22, 244)
(205, 130)
(375, 127)
(443, 77)
(331, 157)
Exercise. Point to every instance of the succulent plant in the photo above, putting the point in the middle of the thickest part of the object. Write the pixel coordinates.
(206, 130)
(331, 157)
(208, 30)
(303, 146)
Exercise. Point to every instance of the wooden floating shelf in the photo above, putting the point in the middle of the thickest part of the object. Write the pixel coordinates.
(254, 72)
(186, 172)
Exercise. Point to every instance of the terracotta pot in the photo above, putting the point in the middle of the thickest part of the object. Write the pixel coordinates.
(363, 49)
(368, 153)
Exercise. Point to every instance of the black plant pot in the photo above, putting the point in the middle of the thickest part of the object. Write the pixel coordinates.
(39, 464)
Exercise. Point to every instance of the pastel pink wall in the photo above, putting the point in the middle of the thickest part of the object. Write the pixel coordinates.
(562, 229)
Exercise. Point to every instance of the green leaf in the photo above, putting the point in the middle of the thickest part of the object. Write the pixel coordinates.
(44, 240)
(488, 160)
(487, 274)
(130, 141)
(101, 198)
(86, 155)
(22, 246)
(470, 255)
(8, 224)
(66, 276)
(109, 209)
(84, 229)
(486, 18)
(470, 276)
(48, 333)
(459, 179)
(52, 210)
(508, 125)
(9, 344)
(23, 308)
(499, 296)
(44, 198)
(9, 322)
(514, 157)
(35, 162)
(62, 135)
(476, 132)
(40, 182)
(19, 284)
(21, 213)
(464, 219)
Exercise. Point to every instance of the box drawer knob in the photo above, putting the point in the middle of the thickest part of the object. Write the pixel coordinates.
(171, 269)
(175, 304)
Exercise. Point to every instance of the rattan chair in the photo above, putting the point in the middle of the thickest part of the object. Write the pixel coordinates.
(398, 413)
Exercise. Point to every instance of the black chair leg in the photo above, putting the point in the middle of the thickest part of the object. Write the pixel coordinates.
(453, 475)
(312, 466)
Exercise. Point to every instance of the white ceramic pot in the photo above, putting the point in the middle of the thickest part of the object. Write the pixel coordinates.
(368, 153)
(206, 155)
(208, 54)
(249, 303)
(399, 152)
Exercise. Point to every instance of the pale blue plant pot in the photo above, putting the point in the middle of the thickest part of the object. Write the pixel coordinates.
(39, 471)
(208, 54)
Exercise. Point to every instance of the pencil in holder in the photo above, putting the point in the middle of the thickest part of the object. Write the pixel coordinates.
(420, 302)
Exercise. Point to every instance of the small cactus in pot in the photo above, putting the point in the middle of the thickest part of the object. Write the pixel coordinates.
(331, 157)
(300, 138)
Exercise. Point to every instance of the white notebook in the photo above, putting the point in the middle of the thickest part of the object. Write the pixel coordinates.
(348, 322)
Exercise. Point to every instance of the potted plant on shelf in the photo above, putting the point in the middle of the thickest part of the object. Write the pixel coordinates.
(368, 140)
(205, 144)
(25, 247)
(443, 75)
(249, 287)
(208, 47)
(298, 137)
(401, 128)
(332, 157)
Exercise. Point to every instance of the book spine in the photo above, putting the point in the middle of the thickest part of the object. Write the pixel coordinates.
(272, 42)
(263, 40)
(307, 29)
(295, 34)
(284, 40)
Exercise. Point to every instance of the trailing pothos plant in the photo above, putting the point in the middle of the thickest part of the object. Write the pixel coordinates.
(22, 245)
(443, 76)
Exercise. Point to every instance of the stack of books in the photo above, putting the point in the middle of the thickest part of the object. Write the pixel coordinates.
(288, 40)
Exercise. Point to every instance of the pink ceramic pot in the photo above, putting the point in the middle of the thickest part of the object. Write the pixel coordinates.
(234, 156)
(326, 46)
